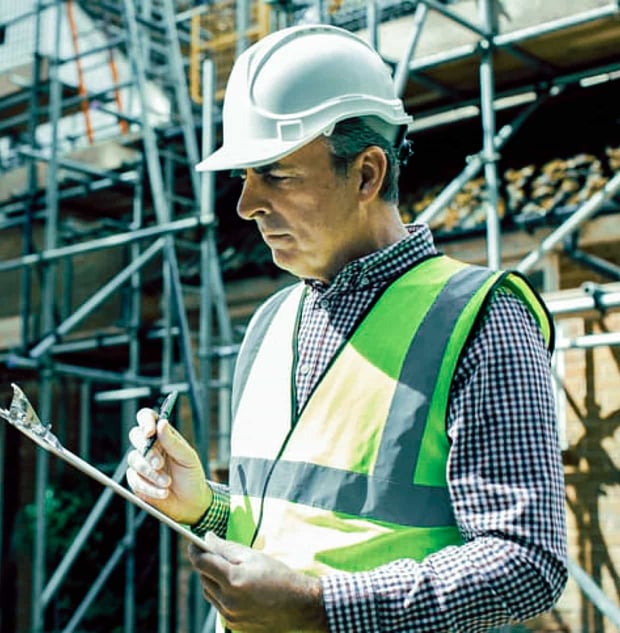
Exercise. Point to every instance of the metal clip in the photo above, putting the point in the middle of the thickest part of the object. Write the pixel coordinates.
(22, 415)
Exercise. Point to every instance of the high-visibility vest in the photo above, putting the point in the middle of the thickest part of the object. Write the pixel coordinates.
(358, 477)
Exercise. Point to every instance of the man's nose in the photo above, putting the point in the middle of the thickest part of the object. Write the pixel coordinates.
(251, 203)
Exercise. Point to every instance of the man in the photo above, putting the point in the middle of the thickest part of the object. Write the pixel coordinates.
(394, 458)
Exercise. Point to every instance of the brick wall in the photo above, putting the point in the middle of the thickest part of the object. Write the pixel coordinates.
(592, 458)
(590, 424)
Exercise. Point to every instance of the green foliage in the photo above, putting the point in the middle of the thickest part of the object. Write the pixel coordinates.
(66, 508)
(61, 510)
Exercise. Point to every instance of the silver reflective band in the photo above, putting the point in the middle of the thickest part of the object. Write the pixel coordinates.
(402, 436)
(342, 491)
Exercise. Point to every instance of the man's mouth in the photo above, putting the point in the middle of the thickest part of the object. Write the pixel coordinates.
(270, 236)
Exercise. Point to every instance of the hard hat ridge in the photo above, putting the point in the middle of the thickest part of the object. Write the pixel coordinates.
(297, 83)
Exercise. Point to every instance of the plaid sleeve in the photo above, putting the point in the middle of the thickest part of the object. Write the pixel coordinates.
(215, 518)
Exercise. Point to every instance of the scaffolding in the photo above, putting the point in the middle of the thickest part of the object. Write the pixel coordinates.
(135, 82)
(158, 218)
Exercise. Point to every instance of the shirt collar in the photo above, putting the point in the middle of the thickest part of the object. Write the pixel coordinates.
(383, 265)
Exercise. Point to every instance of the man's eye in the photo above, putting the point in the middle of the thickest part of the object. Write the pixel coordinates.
(275, 177)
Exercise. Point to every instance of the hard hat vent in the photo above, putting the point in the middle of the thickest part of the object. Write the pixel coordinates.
(290, 130)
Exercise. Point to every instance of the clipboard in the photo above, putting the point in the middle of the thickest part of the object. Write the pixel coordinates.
(24, 418)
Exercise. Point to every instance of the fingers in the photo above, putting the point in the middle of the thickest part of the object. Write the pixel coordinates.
(230, 551)
(147, 421)
(210, 564)
(212, 593)
(145, 429)
(145, 474)
(150, 466)
(137, 438)
(218, 560)
(214, 545)
(157, 488)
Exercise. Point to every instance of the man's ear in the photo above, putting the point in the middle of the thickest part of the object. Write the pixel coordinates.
(372, 169)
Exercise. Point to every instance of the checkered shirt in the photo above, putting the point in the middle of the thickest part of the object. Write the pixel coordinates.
(504, 470)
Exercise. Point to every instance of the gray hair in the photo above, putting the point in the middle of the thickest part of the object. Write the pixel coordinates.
(351, 137)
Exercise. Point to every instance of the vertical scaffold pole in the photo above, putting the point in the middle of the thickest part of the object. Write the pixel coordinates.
(401, 74)
(161, 205)
(48, 303)
(205, 332)
(487, 96)
(372, 20)
(33, 186)
(242, 16)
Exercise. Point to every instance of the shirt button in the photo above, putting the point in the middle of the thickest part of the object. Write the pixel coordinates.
(324, 304)
(304, 369)
(364, 281)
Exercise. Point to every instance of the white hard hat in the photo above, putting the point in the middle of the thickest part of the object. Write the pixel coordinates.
(297, 83)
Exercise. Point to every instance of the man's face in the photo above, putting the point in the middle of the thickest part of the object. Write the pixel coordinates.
(308, 214)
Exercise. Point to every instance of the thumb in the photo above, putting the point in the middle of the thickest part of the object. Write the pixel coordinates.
(228, 550)
(175, 445)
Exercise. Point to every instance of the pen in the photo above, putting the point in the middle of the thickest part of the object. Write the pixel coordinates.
(164, 414)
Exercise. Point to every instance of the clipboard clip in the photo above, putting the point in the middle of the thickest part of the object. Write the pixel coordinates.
(22, 415)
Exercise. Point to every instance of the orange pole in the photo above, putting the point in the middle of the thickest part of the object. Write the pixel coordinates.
(195, 84)
(117, 93)
(81, 85)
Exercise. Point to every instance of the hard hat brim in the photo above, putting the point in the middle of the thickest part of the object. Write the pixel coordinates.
(250, 154)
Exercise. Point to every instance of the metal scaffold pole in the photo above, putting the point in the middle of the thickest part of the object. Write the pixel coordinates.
(48, 310)
(2, 512)
(160, 202)
(27, 246)
(372, 18)
(581, 215)
(213, 296)
(208, 259)
(487, 95)
(401, 74)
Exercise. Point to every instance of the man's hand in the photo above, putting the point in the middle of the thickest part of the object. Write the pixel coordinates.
(170, 476)
(255, 593)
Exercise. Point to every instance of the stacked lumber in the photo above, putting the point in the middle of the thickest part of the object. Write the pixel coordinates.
(529, 194)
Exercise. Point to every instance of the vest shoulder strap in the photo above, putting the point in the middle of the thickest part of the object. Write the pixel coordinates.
(251, 342)
(518, 285)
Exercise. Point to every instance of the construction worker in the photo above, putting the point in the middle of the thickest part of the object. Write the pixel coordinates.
(394, 455)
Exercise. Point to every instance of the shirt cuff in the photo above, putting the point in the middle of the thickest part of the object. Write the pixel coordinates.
(215, 518)
(349, 602)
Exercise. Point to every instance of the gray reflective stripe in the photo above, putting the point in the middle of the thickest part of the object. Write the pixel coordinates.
(252, 342)
(342, 491)
(400, 444)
